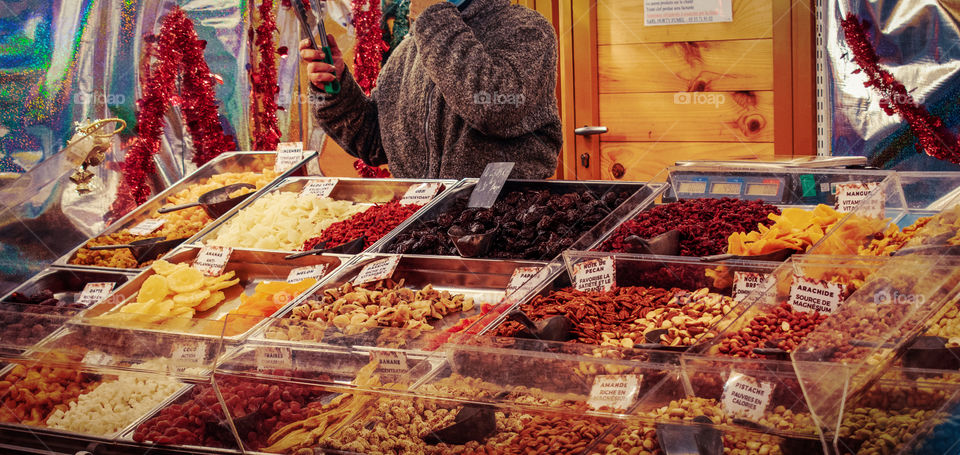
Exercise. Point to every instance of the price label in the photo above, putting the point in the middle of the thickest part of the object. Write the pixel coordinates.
(94, 293)
(614, 391)
(289, 154)
(595, 275)
(745, 282)
(311, 271)
(187, 354)
(274, 358)
(319, 187)
(211, 260)
(97, 358)
(420, 194)
(490, 184)
(810, 295)
(147, 226)
(520, 276)
(853, 196)
(390, 362)
(378, 270)
(744, 396)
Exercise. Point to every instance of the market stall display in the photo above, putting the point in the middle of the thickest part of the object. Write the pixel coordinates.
(297, 212)
(255, 168)
(530, 220)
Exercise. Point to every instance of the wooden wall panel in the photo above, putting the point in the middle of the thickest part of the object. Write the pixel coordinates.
(653, 117)
(642, 161)
(686, 66)
(621, 22)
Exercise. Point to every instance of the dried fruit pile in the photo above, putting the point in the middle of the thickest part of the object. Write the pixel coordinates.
(23, 317)
(374, 223)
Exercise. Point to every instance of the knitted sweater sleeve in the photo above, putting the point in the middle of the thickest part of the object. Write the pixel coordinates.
(351, 119)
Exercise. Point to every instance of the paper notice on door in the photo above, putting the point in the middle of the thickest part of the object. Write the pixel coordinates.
(678, 12)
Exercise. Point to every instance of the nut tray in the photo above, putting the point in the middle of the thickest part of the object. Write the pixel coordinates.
(358, 190)
(640, 195)
(251, 267)
(227, 162)
(482, 280)
(65, 286)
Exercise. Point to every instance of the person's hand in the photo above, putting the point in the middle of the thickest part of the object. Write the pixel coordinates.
(318, 71)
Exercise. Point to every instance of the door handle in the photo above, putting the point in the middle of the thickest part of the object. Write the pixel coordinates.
(590, 130)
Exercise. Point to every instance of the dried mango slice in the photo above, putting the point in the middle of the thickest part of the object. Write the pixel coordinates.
(190, 299)
(185, 280)
(153, 288)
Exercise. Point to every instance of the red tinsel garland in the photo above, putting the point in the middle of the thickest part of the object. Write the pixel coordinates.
(366, 62)
(263, 100)
(933, 136)
(178, 51)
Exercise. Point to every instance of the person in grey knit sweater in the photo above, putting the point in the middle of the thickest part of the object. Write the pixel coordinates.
(473, 83)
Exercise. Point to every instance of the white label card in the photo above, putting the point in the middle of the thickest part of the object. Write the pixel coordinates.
(420, 193)
(188, 354)
(288, 155)
(745, 282)
(520, 276)
(211, 260)
(810, 295)
(319, 187)
(675, 12)
(377, 270)
(853, 196)
(97, 358)
(147, 226)
(274, 358)
(744, 396)
(311, 271)
(615, 391)
(390, 362)
(94, 293)
(595, 275)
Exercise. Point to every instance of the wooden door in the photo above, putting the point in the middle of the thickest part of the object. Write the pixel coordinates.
(721, 91)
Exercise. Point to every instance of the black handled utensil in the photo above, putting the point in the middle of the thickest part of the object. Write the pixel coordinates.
(667, 244)
(354, 246)
(215, 202)
(330, 87)
(471, 245)
(554, 328)
(145, 249)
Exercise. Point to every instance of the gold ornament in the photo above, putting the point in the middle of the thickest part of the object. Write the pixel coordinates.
(88, 148)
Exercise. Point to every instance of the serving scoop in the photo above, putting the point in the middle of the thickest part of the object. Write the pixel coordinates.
(666, 244)
(144, 250)
(215, 202)
(554, 328)
(472, 245)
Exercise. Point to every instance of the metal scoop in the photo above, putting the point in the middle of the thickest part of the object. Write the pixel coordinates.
(472, 245)
(652, 341)
(667, 244)
(215, 202)
(773, 256)
(474, 422)
(354, 246)
(145, 249)
(554, 328)
(675, 439)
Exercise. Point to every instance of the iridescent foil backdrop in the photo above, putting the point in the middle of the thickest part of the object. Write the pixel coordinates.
(918, 42)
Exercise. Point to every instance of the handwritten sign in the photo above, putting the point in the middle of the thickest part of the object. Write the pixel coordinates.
(319, 187)
(520, 276)
(289, 154)
(377, 270)
(744, 396)
(187, 354)
(147, 226)
(810, 295)
(853, 196)
(614, 391)
(595, 275)
(274, 358)
(211, 260)
(420, 193)
(94, 293)
(311, 271)
(390, 362)
(676, 12)
(491, 182)
(745, 282)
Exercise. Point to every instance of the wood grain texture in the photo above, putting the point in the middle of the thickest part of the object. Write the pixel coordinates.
(701, 66)
(621, 22)
(642, 161)
(688, 117)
